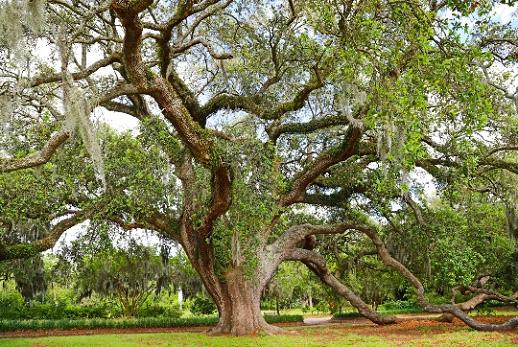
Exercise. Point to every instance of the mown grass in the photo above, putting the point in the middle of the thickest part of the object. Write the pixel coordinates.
(326, 338)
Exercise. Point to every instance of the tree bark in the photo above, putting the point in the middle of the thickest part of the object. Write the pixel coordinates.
(240, 312)
(236, 294)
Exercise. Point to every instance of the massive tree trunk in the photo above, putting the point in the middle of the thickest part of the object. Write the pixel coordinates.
(236, 294)
(240, 312)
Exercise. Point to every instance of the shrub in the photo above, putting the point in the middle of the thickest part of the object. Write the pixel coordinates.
(322, 306)
(101, 310)
(203, 306)
(50, 310)
(149, 322)
(160, 322)
(157, 310)
(283, 318)
(400, 306)
(151, 311)
(11, 305)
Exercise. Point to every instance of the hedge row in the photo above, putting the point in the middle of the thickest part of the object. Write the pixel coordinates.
(284, 319)
(161, 322)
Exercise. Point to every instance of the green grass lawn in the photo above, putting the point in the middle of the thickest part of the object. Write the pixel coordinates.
(303, 337)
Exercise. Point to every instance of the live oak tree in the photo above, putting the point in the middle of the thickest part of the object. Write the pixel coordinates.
(257, 120)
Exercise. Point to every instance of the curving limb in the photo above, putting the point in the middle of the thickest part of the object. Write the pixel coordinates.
(287, 245)
(453, 309)
(27, 250)
(39, 158)
(316, 263)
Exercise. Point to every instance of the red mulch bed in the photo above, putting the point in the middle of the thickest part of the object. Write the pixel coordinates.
(362, 326)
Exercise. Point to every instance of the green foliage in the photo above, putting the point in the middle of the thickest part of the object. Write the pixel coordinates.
(13, 307)
(202, 305)
(399, 306)
(456, 262)
(129, 275)
(157, 310)
(161, 322)
(11, 304)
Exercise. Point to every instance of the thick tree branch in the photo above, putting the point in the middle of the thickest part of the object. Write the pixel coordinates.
(316, 263)
(276, 130)
(172, 107)
(27, 250)
(332, 156)
(388, 260)
(296, 234)
(286, 244)
(206, 44)
(39, 158)
(335, 199)
(256, 104)
(157, 221)
(221, 199)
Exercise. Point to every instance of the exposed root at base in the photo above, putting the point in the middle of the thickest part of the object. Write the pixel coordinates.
(227, 329)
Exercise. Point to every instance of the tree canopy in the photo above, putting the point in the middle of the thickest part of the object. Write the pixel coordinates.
(267, 131)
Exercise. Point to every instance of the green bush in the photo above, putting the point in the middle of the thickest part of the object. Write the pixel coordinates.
(11, 305)
(51, 310)
(202, 306)
(100, 310)
(322, 306)
(161, 322)
(400, 306)
(157, 310)
(272, 319)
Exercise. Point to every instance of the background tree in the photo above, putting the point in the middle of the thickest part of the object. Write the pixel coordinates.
(248, 112)
(130, 275)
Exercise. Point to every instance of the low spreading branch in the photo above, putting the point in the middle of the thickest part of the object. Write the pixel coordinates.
(27, 250)
(316, 263)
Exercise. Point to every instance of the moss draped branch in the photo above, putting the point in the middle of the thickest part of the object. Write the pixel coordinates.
(27, 250)
(36, 159)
